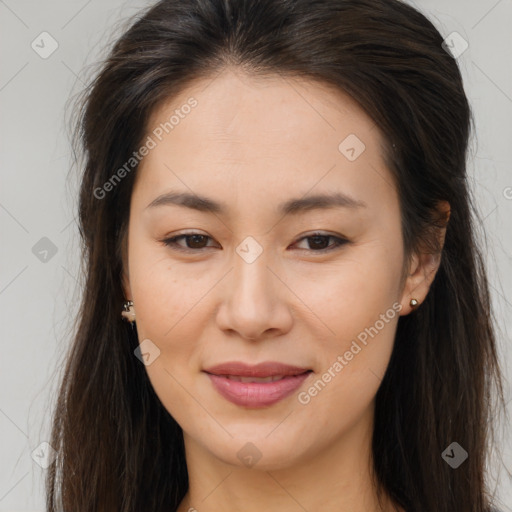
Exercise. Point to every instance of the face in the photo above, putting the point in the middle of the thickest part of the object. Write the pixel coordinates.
(294, 257)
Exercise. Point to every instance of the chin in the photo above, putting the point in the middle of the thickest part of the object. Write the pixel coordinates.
(258, 451)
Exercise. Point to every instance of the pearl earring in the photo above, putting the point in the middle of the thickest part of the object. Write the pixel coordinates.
(413, 303)
(128, 312)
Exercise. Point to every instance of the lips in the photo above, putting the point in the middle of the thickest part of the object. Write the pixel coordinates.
(259, 385)
(238, 378)
(266, 369)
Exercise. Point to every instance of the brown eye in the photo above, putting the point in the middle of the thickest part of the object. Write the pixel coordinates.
(193, 241)
(318, 242)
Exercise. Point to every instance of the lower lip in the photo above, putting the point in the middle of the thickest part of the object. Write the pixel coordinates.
(257, 394)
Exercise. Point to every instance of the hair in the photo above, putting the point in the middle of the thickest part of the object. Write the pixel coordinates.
(118, 447)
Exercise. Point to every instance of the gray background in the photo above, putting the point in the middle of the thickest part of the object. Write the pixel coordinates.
(39, 291)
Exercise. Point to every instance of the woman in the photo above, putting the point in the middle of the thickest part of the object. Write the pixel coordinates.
(285, 307)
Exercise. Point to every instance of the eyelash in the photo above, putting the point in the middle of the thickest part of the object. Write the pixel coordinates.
(172, 242)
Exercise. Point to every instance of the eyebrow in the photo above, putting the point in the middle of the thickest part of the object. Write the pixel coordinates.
(292, 206)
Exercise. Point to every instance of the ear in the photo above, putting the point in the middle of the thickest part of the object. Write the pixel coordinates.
(125, 276)
(424, 263)
(126, 284)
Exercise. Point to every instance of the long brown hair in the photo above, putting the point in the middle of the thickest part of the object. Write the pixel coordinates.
(118, 448)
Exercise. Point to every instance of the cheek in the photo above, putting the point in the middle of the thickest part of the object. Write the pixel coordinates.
(162, 293)
(359, 306)
(351, 367)
(166, 306)
(164, 302)
(351, 295)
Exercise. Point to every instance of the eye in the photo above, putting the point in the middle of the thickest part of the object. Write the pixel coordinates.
(195, 242)
(317, 242)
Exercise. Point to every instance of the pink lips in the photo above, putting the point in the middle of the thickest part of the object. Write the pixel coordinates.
(258, 385)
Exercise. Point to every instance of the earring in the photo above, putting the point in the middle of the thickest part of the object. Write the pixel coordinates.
(413, 303)
(129, 312)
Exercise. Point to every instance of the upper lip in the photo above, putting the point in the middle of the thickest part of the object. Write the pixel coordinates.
(265, 369)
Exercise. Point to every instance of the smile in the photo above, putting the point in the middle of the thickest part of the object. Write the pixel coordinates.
(256, 386)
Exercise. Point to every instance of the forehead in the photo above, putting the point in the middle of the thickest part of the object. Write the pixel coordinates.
(262, 134)
(234, 105)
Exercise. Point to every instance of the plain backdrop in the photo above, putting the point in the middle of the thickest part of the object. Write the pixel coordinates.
(39, 286)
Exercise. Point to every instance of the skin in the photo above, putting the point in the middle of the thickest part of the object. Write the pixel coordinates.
(252, 143)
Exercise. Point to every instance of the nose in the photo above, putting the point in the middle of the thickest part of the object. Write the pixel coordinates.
(254, 301)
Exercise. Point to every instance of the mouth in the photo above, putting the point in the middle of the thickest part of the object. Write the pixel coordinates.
(239, 378)
(256, 386)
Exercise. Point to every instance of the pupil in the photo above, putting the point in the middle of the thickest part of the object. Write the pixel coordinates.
(317, 239)
(195, 239)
